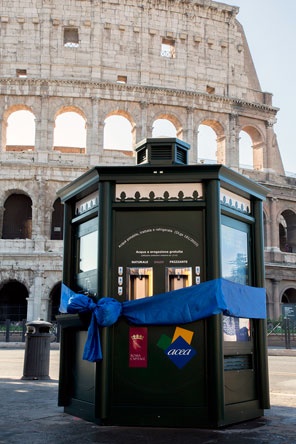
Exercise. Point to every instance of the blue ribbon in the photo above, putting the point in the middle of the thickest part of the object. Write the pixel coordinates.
(176, 307)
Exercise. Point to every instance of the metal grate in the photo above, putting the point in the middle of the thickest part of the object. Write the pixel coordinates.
(161, 152)
(181, 156)
(142, 156)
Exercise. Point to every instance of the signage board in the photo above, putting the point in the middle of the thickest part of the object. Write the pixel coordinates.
(289, 311)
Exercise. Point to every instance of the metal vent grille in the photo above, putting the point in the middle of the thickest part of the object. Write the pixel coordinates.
(142, 157)
(160, 152)
(181, 156)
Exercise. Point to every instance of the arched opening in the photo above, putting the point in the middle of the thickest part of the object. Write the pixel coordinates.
(17, 219)
(207, 144)
(245, 151)
(289, 296)
(211, 142)
(54, 302)
(13, 301)
(287, 231)
(251, 147)
(57, 220)
(118, 133)
(283, 235)
(163, 128)
(20, 133)
(70, 132)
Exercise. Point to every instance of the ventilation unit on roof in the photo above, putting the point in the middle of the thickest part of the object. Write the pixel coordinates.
(162, 151)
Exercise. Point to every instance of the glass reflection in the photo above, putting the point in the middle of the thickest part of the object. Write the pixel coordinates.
(236, 329)
(88, 252)
(235, 255)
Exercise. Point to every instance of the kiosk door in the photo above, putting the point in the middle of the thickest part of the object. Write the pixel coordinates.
(156, 252)
(239, 334)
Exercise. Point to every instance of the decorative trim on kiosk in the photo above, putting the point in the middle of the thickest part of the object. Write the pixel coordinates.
(87, 203)
(159, 192)
(235, 201)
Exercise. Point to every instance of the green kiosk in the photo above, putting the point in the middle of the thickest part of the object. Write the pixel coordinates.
(164, 231)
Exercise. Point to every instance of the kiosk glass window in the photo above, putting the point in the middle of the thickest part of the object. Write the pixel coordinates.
(87, 256)
(88, 252)
(235, 251)
(236, 268)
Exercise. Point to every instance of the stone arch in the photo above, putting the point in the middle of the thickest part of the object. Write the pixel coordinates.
(13, 300)
(119, 131)
(214, 144)
(8, 192)
(289, 296)
(256, 145)
(57, 220)
(54, 302)
(172, 119)
(22, 126)
(17, 217)
(287, 231)
(70, 130)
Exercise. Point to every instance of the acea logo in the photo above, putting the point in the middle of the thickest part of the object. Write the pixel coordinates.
(178, 348)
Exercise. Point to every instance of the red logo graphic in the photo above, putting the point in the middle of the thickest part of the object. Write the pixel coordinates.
(138, 347)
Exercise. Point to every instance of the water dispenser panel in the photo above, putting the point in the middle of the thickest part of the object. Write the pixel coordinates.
(139, 282)
(177, 278)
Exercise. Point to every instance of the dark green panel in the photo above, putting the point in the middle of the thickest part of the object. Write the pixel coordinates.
(162, 383)
(157, 239)
(240, 386)
(83, 372)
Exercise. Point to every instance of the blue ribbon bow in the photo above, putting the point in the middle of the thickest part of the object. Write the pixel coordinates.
(176, 307)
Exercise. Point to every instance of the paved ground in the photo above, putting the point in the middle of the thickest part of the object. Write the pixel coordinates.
(29, 412)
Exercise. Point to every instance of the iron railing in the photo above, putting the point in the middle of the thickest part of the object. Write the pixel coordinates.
(15, 331)
(282, 333)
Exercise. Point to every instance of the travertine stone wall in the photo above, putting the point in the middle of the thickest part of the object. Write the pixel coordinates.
(211, 78)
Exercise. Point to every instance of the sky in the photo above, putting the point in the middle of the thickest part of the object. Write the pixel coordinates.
(270, 28)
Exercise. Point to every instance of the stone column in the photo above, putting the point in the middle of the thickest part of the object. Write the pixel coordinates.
(38, 137)
(221, 149)
(195, 145)
(44, 305)
(44, 129)
(267, 149)
(267, 227)
(34, 305)
(50, 134)
(3, 130)
(144, 132)
(274, 226)
(232, 145)
(98, 132)
(30, 308)
(92, 141)
(39, 229)
(276, 298)
(1, 219)
(188, 136)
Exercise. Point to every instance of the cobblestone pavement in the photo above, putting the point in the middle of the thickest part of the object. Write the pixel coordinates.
(29, 413)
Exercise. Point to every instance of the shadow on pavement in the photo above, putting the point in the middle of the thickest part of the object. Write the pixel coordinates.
(29, 413)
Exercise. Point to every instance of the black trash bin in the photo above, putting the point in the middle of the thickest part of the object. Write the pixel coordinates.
(37, 351)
